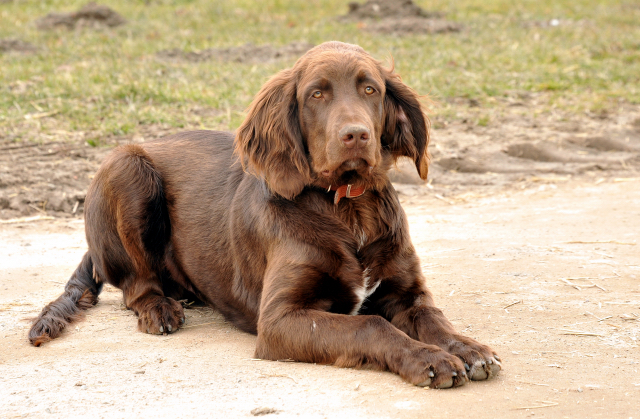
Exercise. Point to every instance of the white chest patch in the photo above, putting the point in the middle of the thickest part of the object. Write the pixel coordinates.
(364, 291)
(360, 236)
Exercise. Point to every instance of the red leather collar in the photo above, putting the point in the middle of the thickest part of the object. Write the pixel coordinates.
(346, 191)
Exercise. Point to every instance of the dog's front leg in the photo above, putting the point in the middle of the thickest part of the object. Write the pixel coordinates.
(426, 323)
(295, 323)
(405, 300)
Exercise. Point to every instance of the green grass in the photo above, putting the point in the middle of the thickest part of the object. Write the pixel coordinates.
(109, 82)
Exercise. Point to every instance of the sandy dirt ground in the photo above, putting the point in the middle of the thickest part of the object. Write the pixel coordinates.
(527, 231)
(548, 276)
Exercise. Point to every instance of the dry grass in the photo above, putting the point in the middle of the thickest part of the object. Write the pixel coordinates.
(569, 54)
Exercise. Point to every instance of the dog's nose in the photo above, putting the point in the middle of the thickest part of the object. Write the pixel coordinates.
(354, 136)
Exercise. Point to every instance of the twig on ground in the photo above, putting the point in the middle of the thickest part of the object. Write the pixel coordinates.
(599, 319)
(570, 284)
(27, 219)
(277, 375)
(599, 242)
(196, 325)
(40, 114)
(592, 285)
(42, 211)
(599, 287)
(512, 304)
(543, 403)
(533, 384)
(442, 198)
(579, 333)
(603, 254)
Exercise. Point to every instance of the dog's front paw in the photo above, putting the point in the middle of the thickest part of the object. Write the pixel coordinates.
(480, 361)
(428, 365)
(164, 315)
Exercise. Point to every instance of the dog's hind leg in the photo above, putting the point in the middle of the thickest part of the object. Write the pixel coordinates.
(128, 231)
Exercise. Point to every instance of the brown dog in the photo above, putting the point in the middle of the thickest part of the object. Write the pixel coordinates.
(298, 236)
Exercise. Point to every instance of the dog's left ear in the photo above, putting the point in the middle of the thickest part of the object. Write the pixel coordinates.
(406, 127)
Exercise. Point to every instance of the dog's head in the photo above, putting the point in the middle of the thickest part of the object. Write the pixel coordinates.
(337, 117)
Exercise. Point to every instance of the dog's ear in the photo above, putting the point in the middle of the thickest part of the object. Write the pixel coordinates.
(406, 127)
(269, 141)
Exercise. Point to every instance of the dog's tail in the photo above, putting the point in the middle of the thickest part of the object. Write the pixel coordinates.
(80, 293)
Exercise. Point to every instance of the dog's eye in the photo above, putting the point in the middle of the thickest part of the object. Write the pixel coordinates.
(317, 94)
(369, 90)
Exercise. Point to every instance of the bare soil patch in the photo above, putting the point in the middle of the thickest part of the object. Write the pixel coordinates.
(513, 151)
(412, 25)
(382, 9)
(16, 45)
(248, 53)
(51, 176)
(91, 15)
(398, 17)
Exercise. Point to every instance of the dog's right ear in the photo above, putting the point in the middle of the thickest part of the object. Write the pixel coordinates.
(269, 142)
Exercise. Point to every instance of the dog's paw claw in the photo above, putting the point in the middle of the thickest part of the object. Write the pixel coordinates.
(477, 372)
(494, 367)
(479, 360)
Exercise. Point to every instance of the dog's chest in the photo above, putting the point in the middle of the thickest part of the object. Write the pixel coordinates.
(367, 285)
(364, 290)
(360, 235)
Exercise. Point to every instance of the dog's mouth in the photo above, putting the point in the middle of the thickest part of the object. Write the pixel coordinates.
(361, 166)
(350, 171)
(353, 164)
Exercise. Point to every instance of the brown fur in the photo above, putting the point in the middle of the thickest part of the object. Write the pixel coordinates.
(256, 234)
